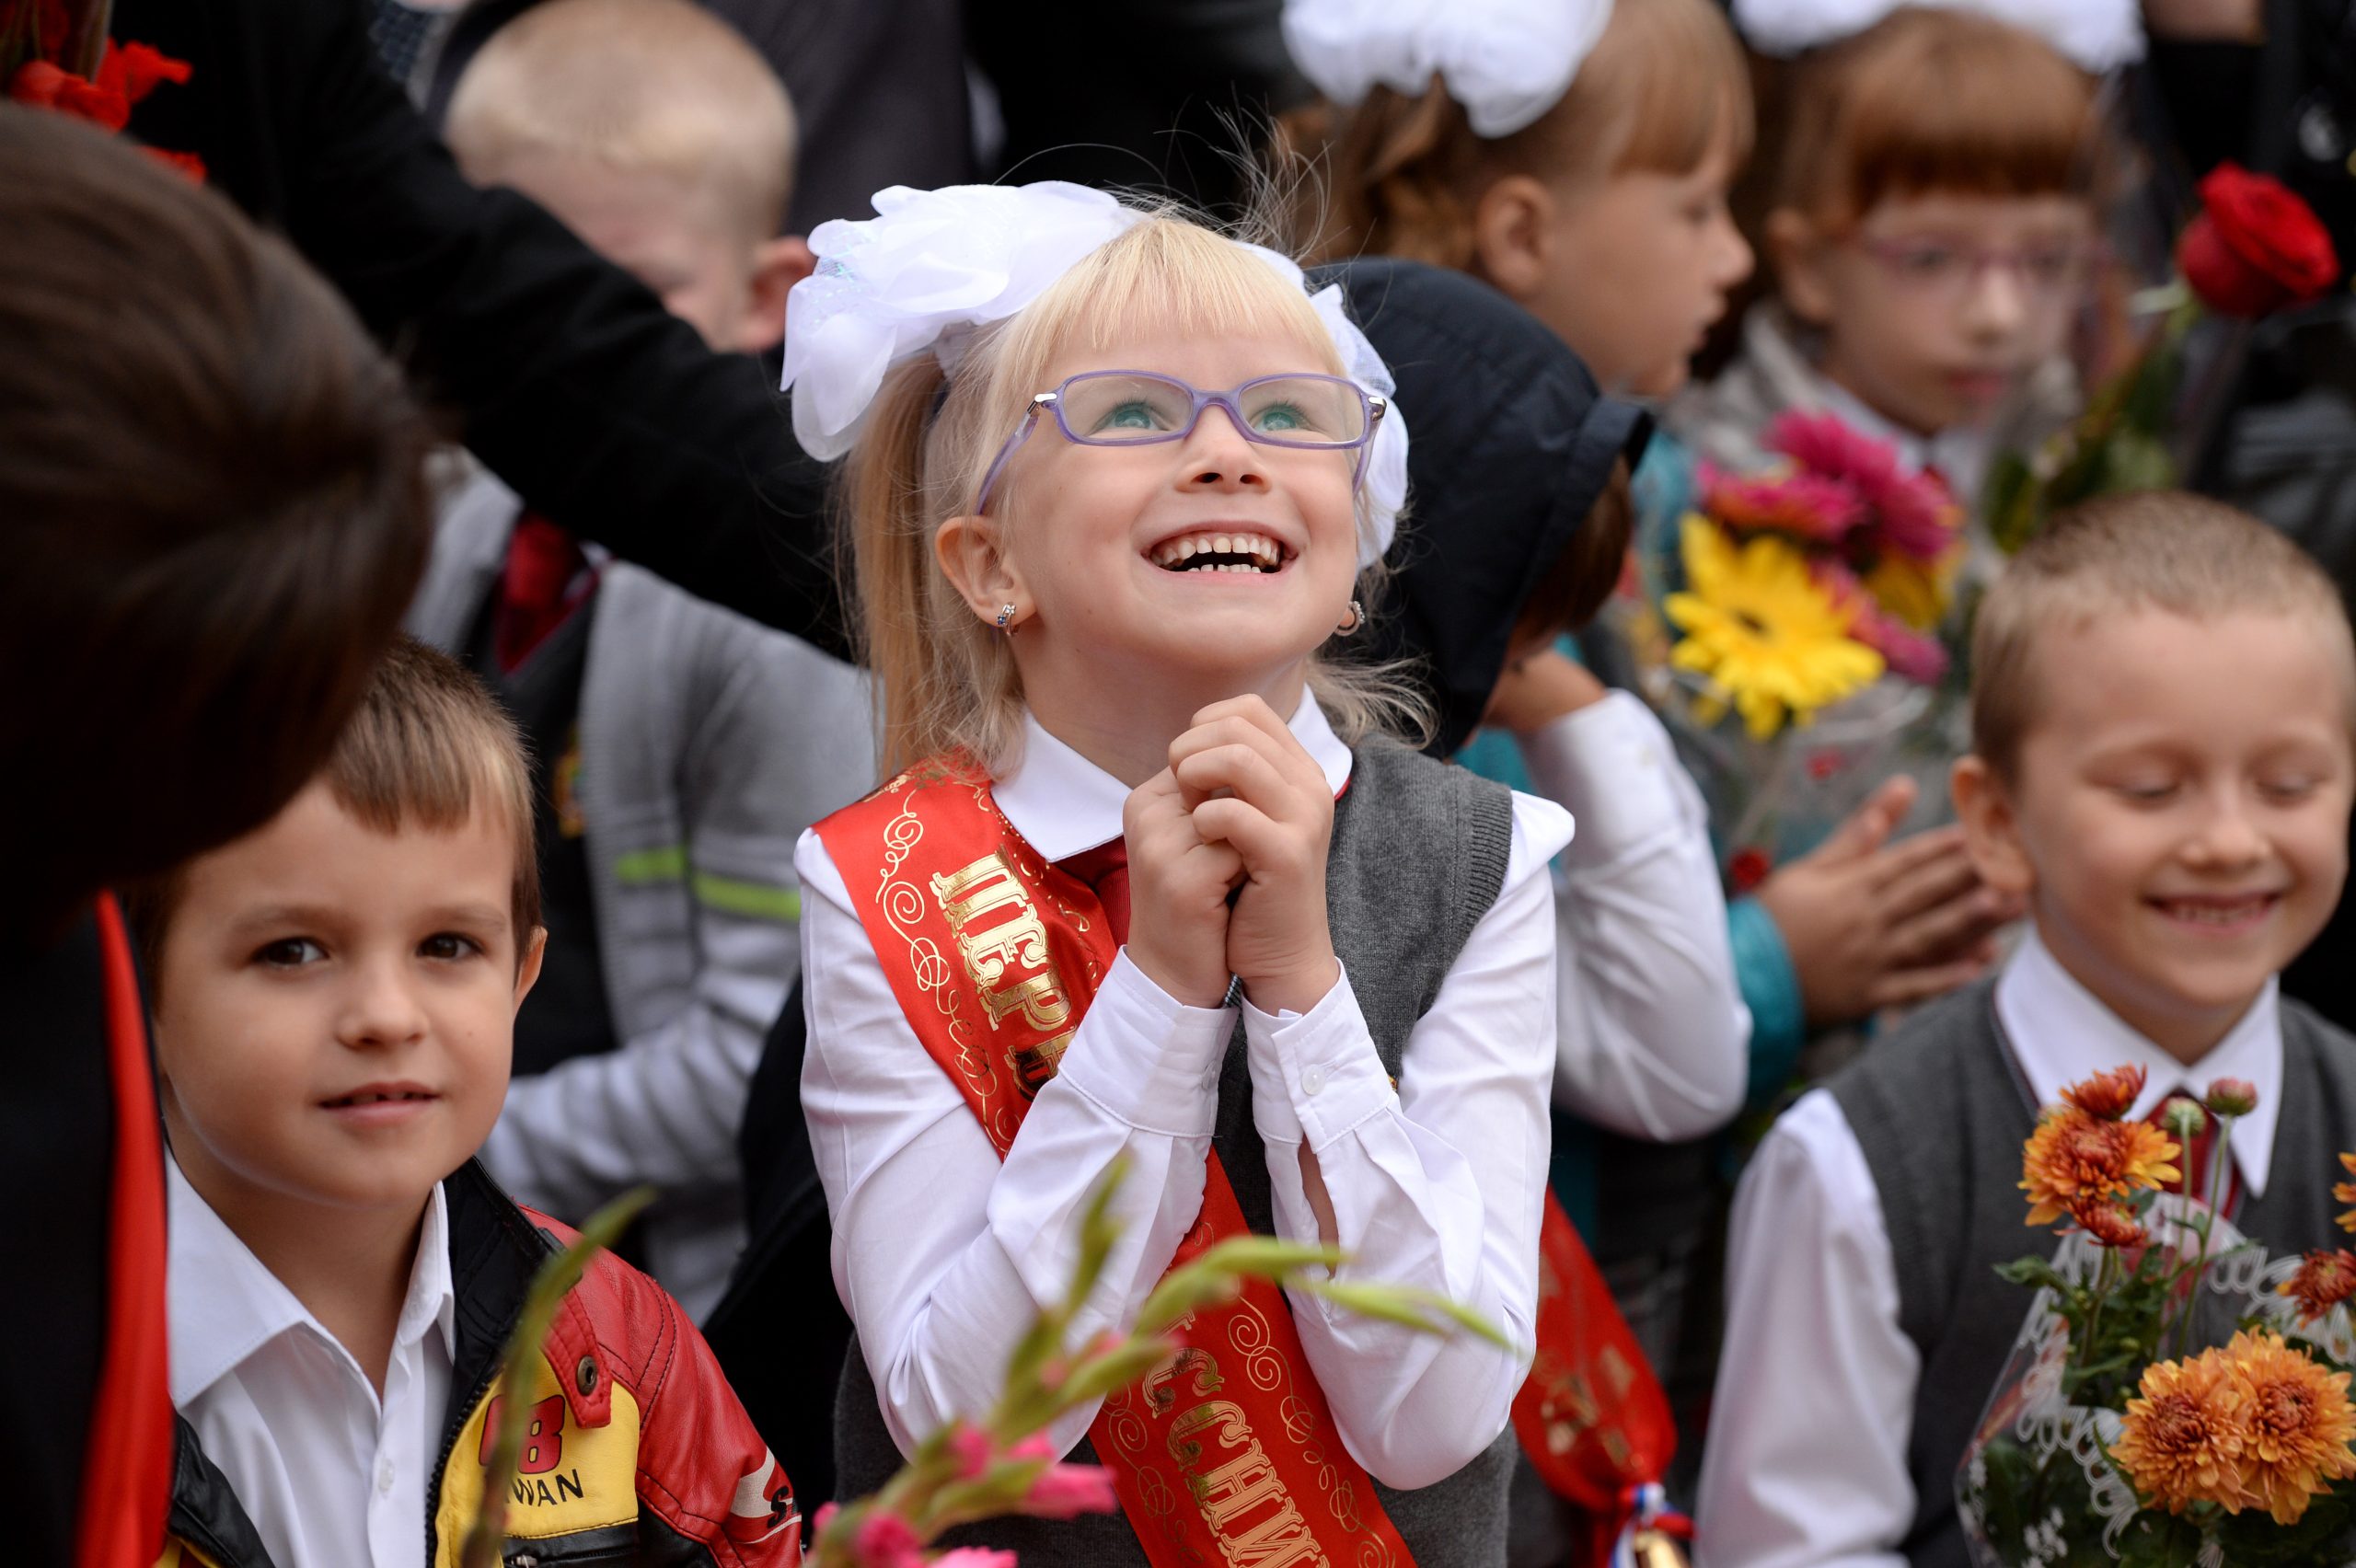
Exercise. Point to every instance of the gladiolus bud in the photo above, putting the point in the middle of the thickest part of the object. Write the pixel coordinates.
(887, 1541)
(1065, 1491)
(2231, 1097)
(972, 1447)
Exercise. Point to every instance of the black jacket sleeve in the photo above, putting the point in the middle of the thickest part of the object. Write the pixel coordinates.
(567, 377)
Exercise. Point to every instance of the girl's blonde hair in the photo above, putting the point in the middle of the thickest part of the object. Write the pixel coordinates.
(1666, 85)
(945, 682)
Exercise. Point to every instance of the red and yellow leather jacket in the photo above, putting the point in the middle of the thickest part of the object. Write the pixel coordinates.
(636, 1454)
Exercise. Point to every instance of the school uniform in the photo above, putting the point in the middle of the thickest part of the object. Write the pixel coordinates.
(1441, 915)
(1866, 1326)
(288, 1457)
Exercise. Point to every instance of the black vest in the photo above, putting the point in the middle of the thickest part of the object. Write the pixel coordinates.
(1941, 1113)
(1418, 857)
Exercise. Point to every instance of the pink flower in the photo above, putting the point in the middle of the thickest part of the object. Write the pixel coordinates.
(970, 1445)
(823, 1517)
(887, 1541)
(1910, 655)
(1811, 506)
(974, 1557)
(1065, 1491)
(1034, 1446)
(1915, 515)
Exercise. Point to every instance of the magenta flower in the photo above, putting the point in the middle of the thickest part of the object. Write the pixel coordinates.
(1809, 506)
(974, 1557)
(1065, 1491)
(887, 1541)
(971, 1446)
(1912, 655)
(1915, 515)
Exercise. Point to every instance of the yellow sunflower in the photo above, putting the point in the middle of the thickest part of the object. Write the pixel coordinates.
(2184, 1437)
(2299, 1427)
(1916, 591)
(1763, 629)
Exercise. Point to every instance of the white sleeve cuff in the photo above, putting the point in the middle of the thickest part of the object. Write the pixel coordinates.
(1314, 1075)
(1147, 1059)
(1614, 766)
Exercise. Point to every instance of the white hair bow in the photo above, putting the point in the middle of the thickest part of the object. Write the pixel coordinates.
(2096, 35)
(932, 266)
(1507, 61)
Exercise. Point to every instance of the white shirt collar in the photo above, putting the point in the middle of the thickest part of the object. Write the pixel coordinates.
(2060, 1034)
(224, 1303)
(1062, 803)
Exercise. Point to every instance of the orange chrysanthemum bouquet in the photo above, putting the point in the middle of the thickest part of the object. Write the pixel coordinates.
(2176, 1396)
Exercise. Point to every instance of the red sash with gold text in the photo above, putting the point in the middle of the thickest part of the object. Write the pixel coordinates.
(1227, 1453)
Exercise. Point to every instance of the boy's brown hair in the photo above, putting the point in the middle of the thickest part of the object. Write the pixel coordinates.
(1664, 85)
(1932, 100)
(427, 747)
(2156, 549)
(662, 86)
(213, 509)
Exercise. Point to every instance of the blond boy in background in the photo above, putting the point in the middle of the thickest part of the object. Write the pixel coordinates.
(2162, 696)
(680, 750)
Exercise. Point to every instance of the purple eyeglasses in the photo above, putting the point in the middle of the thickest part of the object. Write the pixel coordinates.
(1136, 408)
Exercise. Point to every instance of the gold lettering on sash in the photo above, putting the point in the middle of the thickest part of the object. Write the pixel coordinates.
(1035, 1064)
(1246, 1483)
(993, 874)
(1020, 940)
(1041, 997)
(1192, 1358)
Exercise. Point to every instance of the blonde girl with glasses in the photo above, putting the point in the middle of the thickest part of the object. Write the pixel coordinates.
(1150, 885)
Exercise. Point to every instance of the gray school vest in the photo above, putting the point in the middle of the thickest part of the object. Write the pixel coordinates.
(1418, 856)
(1941, 1111)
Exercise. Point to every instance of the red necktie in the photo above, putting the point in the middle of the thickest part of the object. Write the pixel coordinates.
(1106, 870)
(537, 588)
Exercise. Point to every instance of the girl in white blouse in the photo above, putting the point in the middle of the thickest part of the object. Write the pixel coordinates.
(1093, 597)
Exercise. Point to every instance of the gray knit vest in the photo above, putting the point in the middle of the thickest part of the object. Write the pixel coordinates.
(1418, 856)
(1941, 1111)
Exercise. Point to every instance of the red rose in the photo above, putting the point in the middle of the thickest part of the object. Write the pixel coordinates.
(2256, 247)
(1747, 870)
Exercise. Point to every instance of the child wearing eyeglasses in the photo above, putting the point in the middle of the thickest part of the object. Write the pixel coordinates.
(1150, 889)
(1932, 236)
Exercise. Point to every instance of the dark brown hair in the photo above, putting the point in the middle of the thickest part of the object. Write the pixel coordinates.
(1664, 85)
(216, 511)
(1581, 579)
(426, 747)
(2153, 549)
(1932, 100)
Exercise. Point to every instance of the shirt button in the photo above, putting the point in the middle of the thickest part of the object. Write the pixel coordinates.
(385, 1477)
(1313, 1079)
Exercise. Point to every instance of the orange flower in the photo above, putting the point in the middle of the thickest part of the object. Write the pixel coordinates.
(2323, 1281)
(2183, 1439)
(2107, 1096)
(2345, 1192)
(2299, 1423)
(2111, 1226)
(2075, 1162)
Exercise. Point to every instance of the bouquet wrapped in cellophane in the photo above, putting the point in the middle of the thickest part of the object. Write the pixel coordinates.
(2176, 1396)
(1796, 636)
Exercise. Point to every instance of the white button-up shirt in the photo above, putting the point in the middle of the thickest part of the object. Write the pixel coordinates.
(944, 1255)
(1653, 1039)
(332, 1476)
(1806, 1459)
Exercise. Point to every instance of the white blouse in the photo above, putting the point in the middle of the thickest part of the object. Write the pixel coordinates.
(1654, 1040)
(944, 1255)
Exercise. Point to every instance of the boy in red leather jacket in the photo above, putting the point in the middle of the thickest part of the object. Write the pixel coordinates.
(334, 997)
